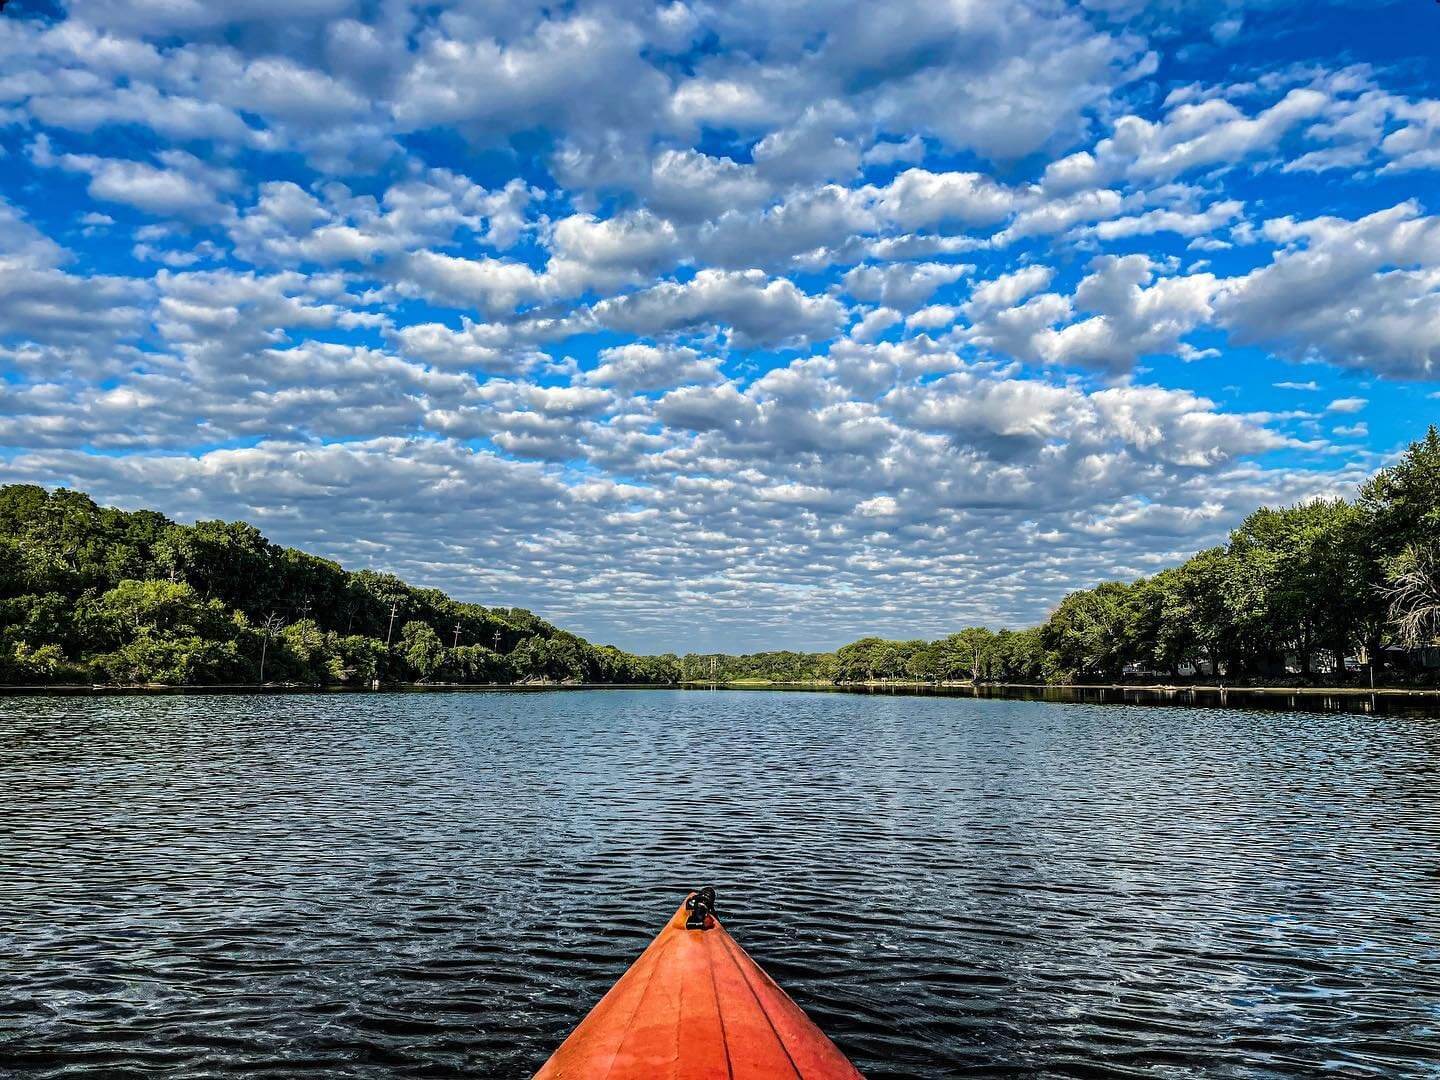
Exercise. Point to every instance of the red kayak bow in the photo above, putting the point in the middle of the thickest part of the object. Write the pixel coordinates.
(695, 1007)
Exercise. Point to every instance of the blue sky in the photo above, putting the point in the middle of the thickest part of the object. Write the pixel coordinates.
(737, 325)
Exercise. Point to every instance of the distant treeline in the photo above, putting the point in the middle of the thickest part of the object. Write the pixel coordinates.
(101, 595)
(92, 594)
(1294, 591)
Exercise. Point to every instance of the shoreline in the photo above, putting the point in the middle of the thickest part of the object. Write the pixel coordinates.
(957, 689)
(1161, 688)
(99, 689)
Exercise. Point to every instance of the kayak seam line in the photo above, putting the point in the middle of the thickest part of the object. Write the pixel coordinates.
(732, 949)
(720, 1016)
(639, 1002)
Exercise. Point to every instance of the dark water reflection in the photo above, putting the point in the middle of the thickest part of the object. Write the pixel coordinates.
(442, 884)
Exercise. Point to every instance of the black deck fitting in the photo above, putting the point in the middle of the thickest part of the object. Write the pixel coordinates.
(700, 905)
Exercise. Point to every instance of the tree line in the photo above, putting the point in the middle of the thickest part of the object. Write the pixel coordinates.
(99, 595)
(95, 594)
(1293, 594)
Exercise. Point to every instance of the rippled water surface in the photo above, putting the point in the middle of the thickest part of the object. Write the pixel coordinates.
(443, 884)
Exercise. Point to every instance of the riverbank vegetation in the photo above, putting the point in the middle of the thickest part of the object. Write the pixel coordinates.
(93, 594)
(1316, 592)
(1319, 591)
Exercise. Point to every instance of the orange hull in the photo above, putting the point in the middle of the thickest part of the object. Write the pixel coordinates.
(695, 1007)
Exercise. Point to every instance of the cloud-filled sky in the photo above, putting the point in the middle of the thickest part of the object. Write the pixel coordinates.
(720, 325)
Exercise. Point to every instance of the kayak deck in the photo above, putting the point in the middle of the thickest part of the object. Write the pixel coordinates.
(695, 1006)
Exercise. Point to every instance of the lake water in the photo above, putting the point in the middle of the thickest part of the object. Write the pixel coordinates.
(399, 885)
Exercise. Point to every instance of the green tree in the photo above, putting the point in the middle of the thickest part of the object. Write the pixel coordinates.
(421, 650)
(1019, 656)
(862, 660)
(173, 659)
(228, 561)
(1090, 633)
(28, 664)
(136, 607)
(968, 654)
(474, 664)
(1194, 624)
(1298, 582)
(359, 660)
(308, 654)
(528, 660)
(158, 601)
(38, 619)
(1399, 519)
(1401, 503)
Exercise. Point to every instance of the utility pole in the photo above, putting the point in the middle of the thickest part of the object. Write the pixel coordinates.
(457, 636)
(497, 641)
(394, 607)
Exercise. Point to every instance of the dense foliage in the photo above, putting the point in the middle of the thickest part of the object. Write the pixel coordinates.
(1293, 594)
(97, 594)
(93, 594)
(974, 654)
(782, 667)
